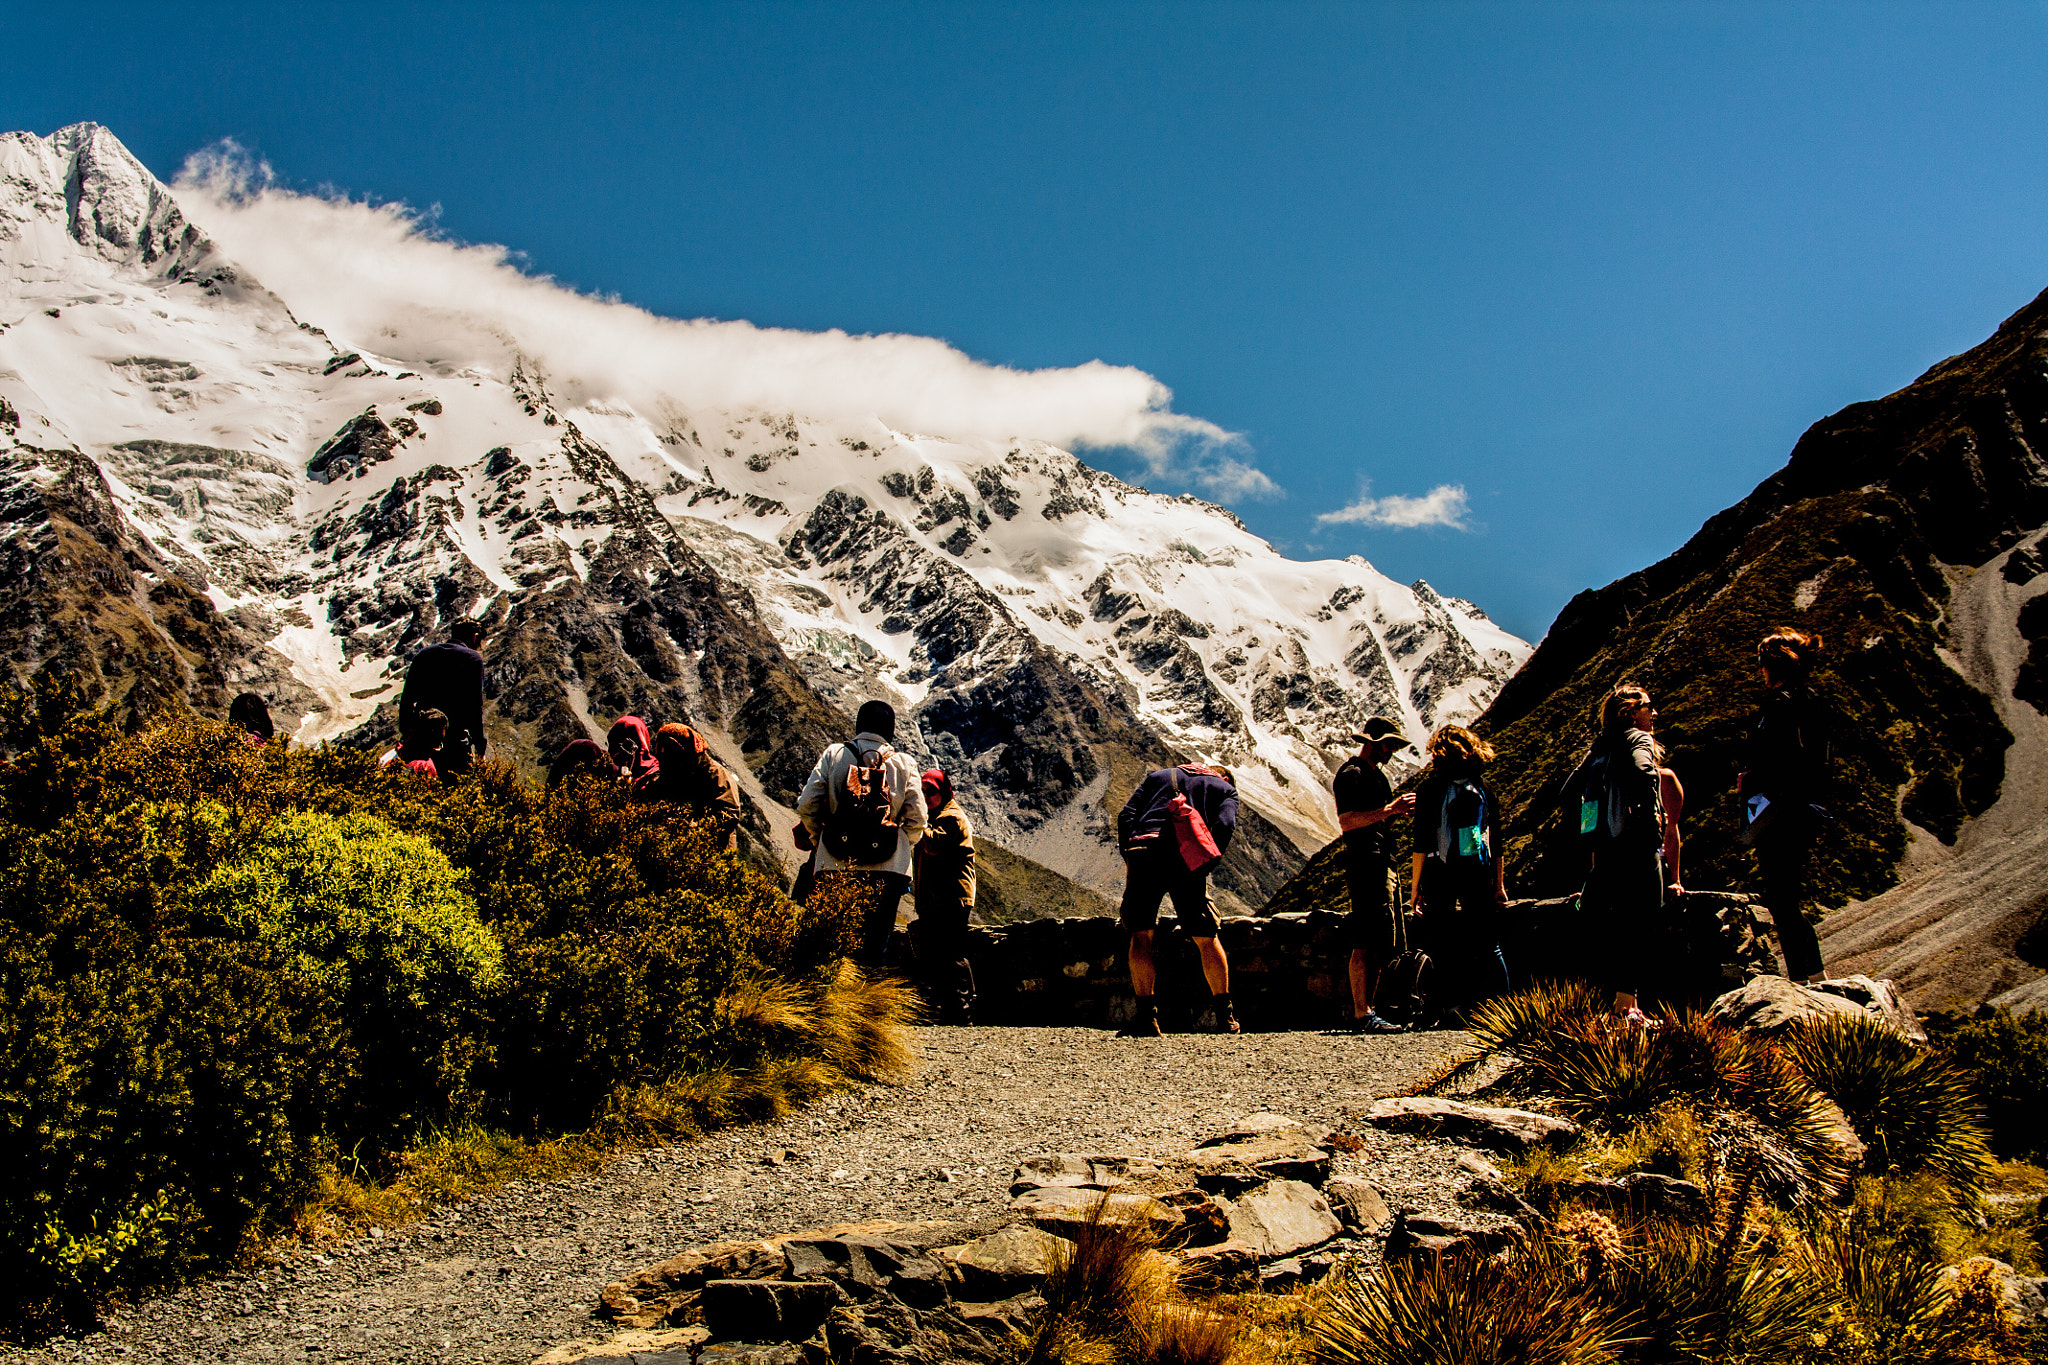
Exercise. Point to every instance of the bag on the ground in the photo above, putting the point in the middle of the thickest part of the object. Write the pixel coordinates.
(1404, 985)
(859, 829)
(1461, 823)
(1191, 837)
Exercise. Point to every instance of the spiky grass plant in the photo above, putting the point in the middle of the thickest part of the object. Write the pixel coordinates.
(1466, 1309)
(1101, 1285)
(1913, 1111)
(1503, 1025)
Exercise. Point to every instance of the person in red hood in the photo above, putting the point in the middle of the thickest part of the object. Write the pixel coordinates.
(632, 749)
(943, 892)
(690, 777)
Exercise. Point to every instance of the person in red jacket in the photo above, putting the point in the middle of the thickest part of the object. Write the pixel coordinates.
(1154, 868)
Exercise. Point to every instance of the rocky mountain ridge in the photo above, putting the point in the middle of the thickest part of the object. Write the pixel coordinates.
(202, 492)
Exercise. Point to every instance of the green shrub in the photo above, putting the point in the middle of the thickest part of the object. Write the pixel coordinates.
(2006, 1059)
(224, 967)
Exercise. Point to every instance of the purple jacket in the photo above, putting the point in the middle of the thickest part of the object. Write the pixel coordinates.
(1206, 791)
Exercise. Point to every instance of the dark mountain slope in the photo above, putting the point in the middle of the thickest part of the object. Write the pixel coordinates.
(1873, 534)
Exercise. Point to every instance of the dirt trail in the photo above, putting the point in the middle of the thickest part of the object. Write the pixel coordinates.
(506, 1278)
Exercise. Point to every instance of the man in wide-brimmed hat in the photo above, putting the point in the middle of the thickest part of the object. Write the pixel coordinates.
(1365, 804)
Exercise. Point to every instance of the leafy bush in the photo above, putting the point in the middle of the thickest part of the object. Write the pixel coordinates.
(224, 967)
(2006, 1059)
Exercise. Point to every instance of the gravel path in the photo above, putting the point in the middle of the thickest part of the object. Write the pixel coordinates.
(505, 1278)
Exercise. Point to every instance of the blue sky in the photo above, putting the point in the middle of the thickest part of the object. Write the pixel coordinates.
(1599, 265)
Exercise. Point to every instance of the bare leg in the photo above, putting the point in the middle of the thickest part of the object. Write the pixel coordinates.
(1144, 981)
(1361, 985)
(1215, 966)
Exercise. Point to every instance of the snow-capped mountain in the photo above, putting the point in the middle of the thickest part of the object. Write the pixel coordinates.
(201, 491)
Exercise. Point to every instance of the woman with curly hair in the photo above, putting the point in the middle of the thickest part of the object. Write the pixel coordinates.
(1458, 879)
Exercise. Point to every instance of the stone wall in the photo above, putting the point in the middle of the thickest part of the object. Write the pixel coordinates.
(1288, 971)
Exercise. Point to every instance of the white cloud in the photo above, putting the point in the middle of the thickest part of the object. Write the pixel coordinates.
(1443, 505)
(375, 275)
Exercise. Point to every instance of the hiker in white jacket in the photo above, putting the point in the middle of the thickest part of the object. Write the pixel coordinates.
(888, 878)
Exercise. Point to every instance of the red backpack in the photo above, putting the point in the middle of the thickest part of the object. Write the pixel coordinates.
(859, 829)
(1191, 835)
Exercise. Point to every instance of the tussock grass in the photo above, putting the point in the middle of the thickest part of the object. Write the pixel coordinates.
(1913, 1110)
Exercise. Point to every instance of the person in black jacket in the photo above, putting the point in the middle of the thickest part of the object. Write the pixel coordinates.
(1618, 794)
(1155, 867)
(449, 678)
(1458, 883)
(1781, 786)
(1366, 806)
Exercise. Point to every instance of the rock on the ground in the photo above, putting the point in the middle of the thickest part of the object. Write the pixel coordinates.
(647, 1297)
(1006, 1263)
(1769, 1003)
(1069, 1171)
(1282, 1217)
(1060, 1208)
(865, 1266)
(1358, 1206)
(1253, 1126)
(1245, 1162)
(1503, 1130)
(2025, 1297)
(768, 1310)
(1439, 1236)
(728, 1353)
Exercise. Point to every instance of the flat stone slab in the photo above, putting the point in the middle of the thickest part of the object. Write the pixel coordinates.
(1280, 1218)
(1274, 1156)
(1059, 1207)
(1253, 1126)
(1071, 1171)
(1501, 1130)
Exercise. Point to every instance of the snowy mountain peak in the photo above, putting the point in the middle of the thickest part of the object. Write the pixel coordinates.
(301, 511)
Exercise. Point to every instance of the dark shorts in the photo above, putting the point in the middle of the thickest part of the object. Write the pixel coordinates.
(1374, 925)
(1151, 876)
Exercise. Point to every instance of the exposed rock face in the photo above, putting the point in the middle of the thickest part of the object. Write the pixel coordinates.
(240, 500)
(1503, 1130)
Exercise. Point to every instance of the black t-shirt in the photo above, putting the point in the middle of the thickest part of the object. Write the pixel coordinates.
(1361, 786)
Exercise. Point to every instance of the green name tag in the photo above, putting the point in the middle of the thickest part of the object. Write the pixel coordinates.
(1589, 816)
(1470, 845)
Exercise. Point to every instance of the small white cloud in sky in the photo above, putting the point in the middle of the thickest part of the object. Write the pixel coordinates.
(376, 274)
(1443, 505)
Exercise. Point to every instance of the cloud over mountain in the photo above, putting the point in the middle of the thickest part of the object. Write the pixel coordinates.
(379, 273)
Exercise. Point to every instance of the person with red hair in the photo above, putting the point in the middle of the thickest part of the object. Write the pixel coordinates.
(943, 892)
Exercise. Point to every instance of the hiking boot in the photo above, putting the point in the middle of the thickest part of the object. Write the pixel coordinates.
(1374, 1022)
(1640, 1020)
(1226, 1022)
(1144, 1026)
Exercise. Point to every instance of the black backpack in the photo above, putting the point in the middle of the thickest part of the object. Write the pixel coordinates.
(859, 829)
(1404, 986)
(1461, 822)
(1600, 809)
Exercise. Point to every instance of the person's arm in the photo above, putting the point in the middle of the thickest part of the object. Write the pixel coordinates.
(1225, 823)
(1500, 855)
(911, 815)
(1415, 861)
(1674, 807)
(726, 806)
(1134, 810)
(473, 711)
(816, 798)
(1361, 819)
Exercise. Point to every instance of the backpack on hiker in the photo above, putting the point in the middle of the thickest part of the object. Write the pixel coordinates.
(859, 828)
(1600, 807)
(1461, 823)
(1191, 837)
